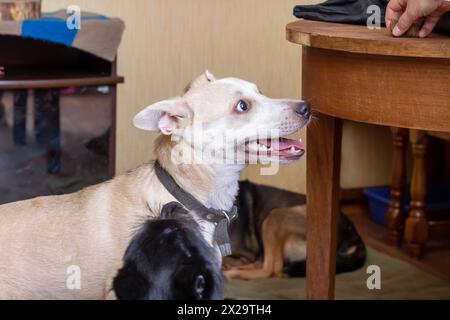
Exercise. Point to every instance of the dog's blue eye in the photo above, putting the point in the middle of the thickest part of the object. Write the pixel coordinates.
(242, 106)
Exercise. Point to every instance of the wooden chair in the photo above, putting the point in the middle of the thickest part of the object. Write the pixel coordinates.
(414, 226)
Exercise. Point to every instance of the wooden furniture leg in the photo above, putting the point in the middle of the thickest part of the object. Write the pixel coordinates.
(47, 126)
(112, 137)
(395, 216)
(20, 117)
(113, 130)
(323, 178)
(2, 106)
(416, 228)
(39, 117)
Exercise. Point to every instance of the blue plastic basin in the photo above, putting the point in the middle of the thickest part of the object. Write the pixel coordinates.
(380, 198)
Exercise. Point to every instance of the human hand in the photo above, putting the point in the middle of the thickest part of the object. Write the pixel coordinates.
(410, 12)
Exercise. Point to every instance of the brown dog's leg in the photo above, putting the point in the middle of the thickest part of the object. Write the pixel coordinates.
(273, 242)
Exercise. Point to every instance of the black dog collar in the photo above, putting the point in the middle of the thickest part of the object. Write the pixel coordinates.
(220, 218)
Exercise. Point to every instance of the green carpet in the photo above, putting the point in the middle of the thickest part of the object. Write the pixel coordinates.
(399, 280)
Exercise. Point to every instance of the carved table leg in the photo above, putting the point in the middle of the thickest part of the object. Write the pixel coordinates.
(47, 128)
(20, 117)
(416, 229)
(395, 217)
(322, 183)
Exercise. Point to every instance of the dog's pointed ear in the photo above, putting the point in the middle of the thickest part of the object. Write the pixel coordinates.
(165, 116)
(204, 78)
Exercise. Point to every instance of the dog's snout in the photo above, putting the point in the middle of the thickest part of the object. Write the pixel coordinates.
(303, 109)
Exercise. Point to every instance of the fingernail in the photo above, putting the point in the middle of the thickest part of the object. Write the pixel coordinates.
(396, 32)
(422, 35)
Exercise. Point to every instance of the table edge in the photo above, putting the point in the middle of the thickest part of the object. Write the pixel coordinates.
(317, 41)
(60, 83)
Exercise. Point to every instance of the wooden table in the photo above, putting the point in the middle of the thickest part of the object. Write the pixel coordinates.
(351, 72)
(47, 67)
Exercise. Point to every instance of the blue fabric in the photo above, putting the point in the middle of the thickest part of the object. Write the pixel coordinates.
(52, 27)
(49, 28)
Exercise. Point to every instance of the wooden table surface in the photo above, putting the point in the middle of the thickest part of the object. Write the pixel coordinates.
(351, 72)
(359, 39)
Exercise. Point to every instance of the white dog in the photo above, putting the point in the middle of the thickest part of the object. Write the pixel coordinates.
(41, 238)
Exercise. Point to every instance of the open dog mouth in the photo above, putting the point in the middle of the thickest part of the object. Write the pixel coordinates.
(286, 149)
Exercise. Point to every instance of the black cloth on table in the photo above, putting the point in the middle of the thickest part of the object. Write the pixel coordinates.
(353, 12)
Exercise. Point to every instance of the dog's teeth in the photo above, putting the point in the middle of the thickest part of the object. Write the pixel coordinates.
(292, 149)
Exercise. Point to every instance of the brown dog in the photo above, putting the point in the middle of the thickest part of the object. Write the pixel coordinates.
(269, 238)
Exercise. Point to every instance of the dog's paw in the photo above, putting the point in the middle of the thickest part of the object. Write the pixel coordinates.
(230, 273)
(235, 273)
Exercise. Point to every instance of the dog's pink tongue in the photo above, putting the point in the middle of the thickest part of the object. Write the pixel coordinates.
(285, 144)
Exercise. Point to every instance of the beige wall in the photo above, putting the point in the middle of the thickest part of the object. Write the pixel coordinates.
(168, 42)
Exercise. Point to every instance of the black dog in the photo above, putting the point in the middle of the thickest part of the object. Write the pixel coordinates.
(168, 259)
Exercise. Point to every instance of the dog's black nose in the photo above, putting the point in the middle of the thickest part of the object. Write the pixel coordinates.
(303, 109)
